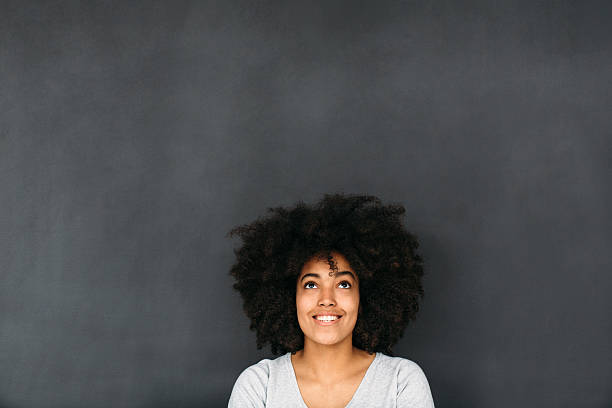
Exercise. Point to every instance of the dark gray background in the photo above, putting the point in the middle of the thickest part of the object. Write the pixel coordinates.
(134, 136)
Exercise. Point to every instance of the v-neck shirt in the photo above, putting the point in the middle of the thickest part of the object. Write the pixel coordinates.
(389, 382)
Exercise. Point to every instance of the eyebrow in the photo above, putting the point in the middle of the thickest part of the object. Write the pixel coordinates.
(316, 275)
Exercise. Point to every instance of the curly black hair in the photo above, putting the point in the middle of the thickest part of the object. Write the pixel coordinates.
(369, 235)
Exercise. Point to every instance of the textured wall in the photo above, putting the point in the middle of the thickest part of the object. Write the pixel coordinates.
(134, 136)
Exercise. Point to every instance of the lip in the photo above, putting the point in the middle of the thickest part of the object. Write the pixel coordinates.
(322, 323)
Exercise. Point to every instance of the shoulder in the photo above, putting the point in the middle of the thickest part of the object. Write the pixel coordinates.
(412, 385)
(251, 386)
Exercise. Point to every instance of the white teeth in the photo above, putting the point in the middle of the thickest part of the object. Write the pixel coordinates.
(327, 318)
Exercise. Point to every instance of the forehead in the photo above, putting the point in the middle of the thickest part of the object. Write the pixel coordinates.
(320, 265)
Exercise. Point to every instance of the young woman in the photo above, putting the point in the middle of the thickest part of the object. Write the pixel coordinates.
(331, 287)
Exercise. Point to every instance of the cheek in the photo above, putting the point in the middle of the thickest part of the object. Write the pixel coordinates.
(303, 303)
(351, 301)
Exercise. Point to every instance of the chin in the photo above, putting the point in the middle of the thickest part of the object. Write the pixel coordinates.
(326, 340)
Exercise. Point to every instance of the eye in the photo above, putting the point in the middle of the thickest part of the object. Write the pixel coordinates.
(308, 283)
(346, 283)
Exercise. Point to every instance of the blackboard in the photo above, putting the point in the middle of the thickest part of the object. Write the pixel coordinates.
(134, 136)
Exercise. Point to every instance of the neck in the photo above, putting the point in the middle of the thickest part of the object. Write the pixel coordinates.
(328, 361)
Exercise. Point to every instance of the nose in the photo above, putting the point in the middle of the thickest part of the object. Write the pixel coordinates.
(327, 297)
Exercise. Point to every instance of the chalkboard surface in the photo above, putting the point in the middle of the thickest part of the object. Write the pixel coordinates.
(134, 136)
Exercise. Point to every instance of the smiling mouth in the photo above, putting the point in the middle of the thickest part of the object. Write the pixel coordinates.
(326, 320)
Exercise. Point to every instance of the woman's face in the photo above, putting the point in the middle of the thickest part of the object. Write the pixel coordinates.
(327, 306)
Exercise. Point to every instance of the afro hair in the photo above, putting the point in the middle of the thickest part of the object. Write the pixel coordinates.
(369, 235)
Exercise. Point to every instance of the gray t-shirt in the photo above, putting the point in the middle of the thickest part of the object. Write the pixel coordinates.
(389, 382)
